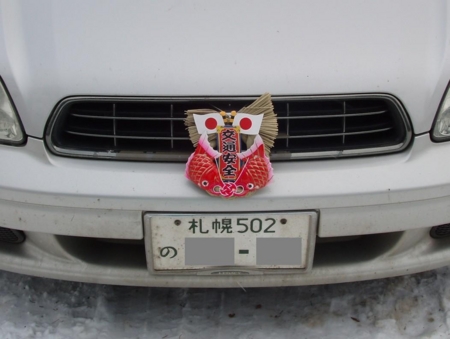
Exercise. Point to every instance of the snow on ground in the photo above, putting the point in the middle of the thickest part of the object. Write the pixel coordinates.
(404, 307)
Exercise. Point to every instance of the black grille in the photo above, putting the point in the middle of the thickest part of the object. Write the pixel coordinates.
(11, 236)
(150, 128)
(441, 231)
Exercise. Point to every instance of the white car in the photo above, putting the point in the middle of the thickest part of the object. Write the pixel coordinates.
(94, 148)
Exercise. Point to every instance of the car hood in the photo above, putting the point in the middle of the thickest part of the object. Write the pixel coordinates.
(53, 49)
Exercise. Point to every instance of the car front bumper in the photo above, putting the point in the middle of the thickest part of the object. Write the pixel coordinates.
(84, 218)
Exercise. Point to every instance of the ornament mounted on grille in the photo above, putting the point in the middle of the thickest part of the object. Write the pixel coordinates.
(231, 158)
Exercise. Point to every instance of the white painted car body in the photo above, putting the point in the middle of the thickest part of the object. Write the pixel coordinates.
(50, 50)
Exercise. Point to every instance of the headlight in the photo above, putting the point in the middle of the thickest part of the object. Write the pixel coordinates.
(10, 127)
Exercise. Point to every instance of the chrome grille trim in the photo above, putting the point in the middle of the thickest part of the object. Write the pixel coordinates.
(285, 135)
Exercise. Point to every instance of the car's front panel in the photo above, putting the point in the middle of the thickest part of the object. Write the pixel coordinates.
(99, 92)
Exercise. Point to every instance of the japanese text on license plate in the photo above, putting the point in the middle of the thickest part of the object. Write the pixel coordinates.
(226, 225)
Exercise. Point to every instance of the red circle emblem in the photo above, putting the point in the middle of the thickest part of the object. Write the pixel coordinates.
(211, 123)
(245, 123)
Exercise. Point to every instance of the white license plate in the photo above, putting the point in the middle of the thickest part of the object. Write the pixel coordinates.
(223, 241)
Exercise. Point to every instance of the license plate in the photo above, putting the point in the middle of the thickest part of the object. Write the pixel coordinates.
(230, 242)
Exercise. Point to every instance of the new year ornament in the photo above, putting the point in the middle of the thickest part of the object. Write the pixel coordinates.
(231, 158)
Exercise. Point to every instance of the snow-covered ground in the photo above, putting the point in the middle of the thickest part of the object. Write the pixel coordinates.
(404, 307)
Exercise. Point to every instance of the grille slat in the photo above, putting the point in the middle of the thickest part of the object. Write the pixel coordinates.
(308, 126)
(126, 136)
(114, 125)
(330, 116)
(287, 118)
(332, 134)
(125, 118)
(344, 121)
